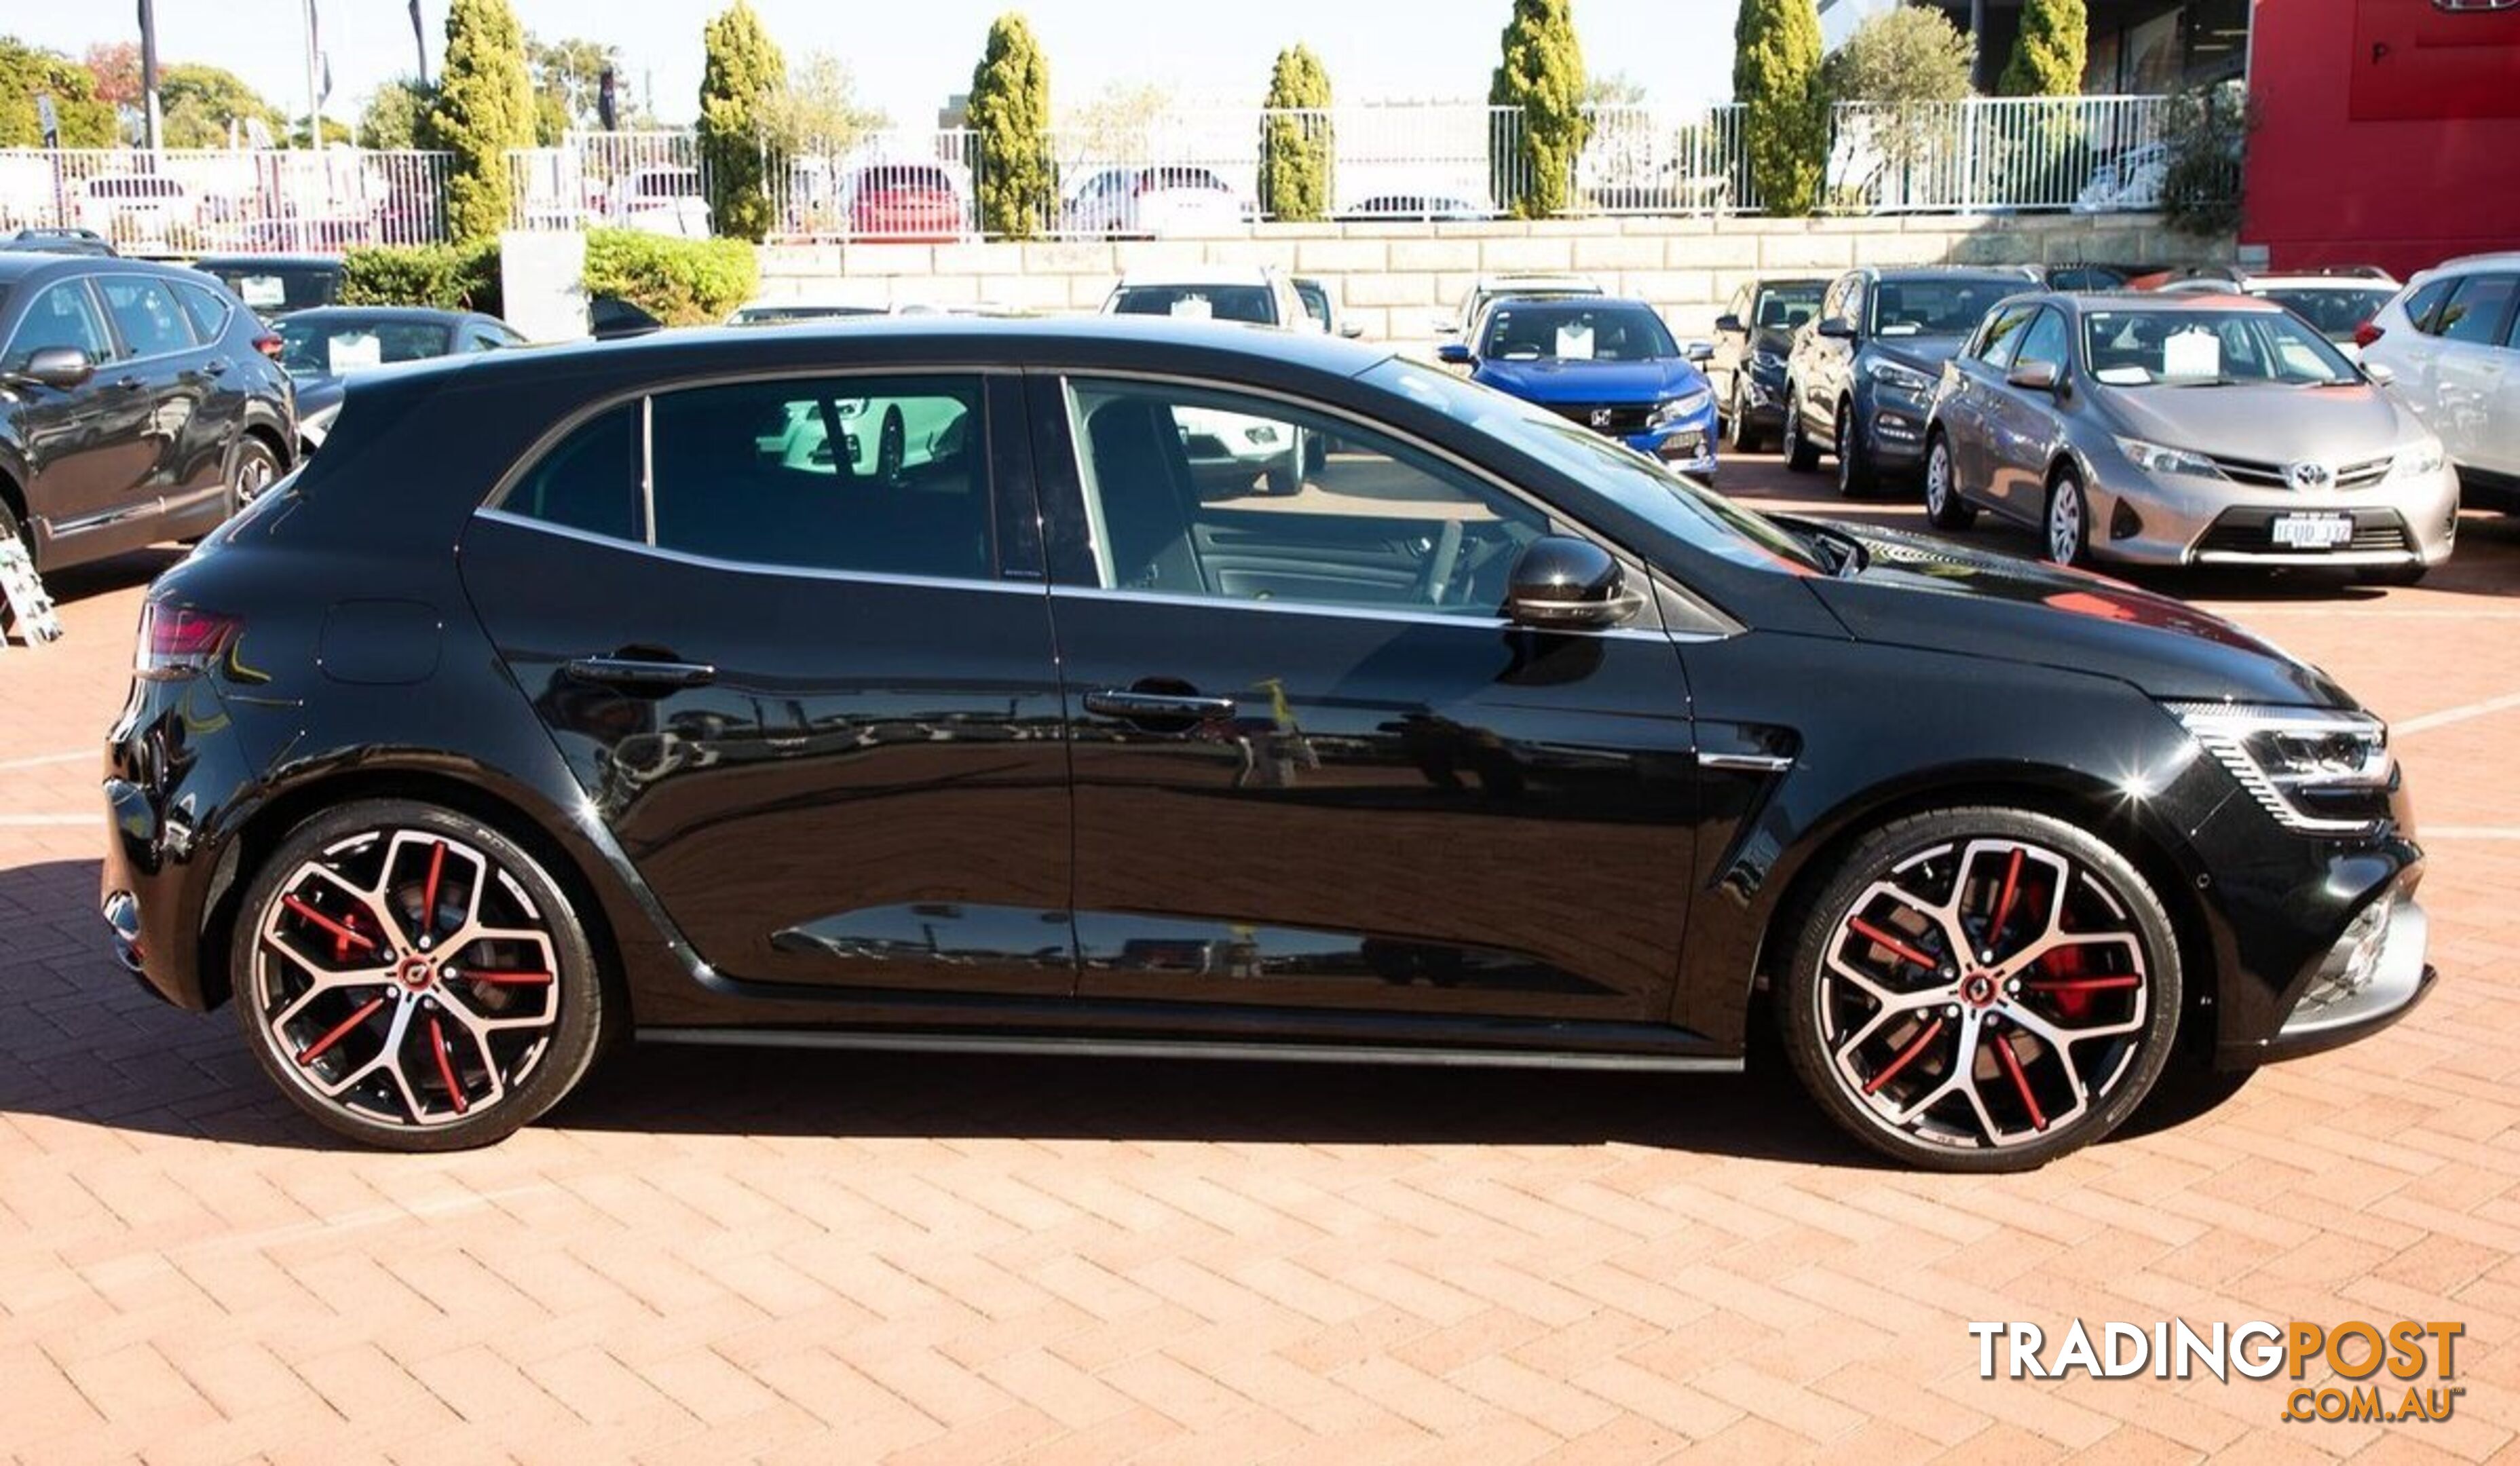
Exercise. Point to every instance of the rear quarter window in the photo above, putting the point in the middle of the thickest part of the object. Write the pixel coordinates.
(588, 480)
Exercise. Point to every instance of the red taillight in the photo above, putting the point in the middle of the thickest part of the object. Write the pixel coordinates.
(178, 640)
(2367, 333)
(268, 346)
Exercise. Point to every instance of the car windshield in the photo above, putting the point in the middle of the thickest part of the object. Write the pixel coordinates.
(1200, 302)
(1181, 178)
(669, 182)
(2335, 312)
(1524, 331)
(1786, 306)
(2134, 348)
(271, 287)
(315, 346)
(1938, 307)
(1684, 510)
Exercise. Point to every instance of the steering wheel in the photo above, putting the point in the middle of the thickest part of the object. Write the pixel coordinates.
(1435, 577)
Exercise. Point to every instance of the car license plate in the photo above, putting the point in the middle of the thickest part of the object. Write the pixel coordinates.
(2313, 531)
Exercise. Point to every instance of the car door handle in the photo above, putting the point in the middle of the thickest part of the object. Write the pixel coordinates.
(642, 673)
(1166, 707)
(131, 384)
(216, 366)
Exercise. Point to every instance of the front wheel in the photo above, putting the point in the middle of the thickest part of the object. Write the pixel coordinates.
(2068, 536)
(1945, 508)
(414, 979)
(1801, 453)
(1981, 990)
(1856, 475)
(1739, 435)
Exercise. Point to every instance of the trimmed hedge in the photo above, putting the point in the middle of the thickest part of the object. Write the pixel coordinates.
(449, 276)
(679, 282)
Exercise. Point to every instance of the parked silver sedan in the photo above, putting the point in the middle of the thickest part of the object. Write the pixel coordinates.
(2185, 429)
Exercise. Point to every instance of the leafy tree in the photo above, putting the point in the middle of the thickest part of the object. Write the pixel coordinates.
(25, 74)
(336, 133)
(396, 114)
(2206, 136)
(1617, 89)
(116, 66)
(1902, 62)
(1010, 112)
(196, 103)
(1542, 72)
(484, 107)
(2048, 57)
(818, 111)
(1777, 80)
(742, 74)
(1295, 151)
(568, 81)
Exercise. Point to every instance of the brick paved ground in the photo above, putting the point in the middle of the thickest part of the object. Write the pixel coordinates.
(810, 1258)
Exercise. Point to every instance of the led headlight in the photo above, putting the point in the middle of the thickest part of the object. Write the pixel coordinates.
(1899, 378)
(1767, 361)
(2152, 457)
(2425, 458)
(1680, 409)
(2319, 771)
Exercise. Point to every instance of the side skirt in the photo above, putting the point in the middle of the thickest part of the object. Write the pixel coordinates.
(1262, 1050)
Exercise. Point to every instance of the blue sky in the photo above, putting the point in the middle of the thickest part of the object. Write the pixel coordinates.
(907, 57)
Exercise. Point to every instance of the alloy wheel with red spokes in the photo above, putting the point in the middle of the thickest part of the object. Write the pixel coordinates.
(414, 977)
(1986, 997)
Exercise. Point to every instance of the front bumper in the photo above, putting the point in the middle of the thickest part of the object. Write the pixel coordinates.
(1688, 446)
(2337, 1006)
(1894, 431)
(2178, 519)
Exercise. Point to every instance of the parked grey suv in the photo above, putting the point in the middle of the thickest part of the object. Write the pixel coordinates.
(1861, 373)
(2184, 429)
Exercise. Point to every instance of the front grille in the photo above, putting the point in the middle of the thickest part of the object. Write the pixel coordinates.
(2251, 531)
(2265, 475)
(1617, 419)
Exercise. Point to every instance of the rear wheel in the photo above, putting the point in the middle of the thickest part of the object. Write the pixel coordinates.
(257, 469)
(413, 979)
(1944, 506)
(1801, 453)
(1981, 990)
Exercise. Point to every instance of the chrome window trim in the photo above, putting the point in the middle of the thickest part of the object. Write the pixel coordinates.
(1374, 613)
(754, 567)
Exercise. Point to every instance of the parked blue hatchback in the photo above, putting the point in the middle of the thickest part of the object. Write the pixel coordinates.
(1610, 365)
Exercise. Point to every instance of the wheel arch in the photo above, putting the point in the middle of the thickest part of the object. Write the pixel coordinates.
(2077, 800)
(270, 823)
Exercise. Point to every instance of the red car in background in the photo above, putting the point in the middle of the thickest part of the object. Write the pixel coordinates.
(910, 202)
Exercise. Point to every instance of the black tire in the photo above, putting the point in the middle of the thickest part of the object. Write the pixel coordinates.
(1945, 508)
(492, 1083)
(255, 469)
(892, 445)
(1801, 453)
(2065, 526)
(2393, 575)
(2027, 1099)
(1857, 478)
(1739, 435)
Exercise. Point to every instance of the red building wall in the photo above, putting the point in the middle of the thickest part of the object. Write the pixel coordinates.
(2388, 133)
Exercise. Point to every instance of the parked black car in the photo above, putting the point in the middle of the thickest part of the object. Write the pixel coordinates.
(60, 241)
(606, 690)
(322, 348)
(1752, 339)
(1860, 376)
(275, 284)
(136, 405)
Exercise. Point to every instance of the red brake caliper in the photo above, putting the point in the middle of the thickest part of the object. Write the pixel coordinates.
(2063, 964)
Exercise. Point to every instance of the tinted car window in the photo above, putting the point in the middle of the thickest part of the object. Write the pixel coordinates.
(2476, 309)
(1188, 492)
(144, 311)
(1935, 307)
(1783, 308)
(63, 315)
(2426, 303)
(319, 344)
(873, 474)
(207, 307)
(590, 481)
(271, 286)
(2336, 312)
(1221, 303)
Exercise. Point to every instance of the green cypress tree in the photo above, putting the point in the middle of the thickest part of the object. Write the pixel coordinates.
(484, 107)
(742, 71)
(1296, 151)
(1784, 105)
(1542, 72)
(1009, 112)
(2048, 54)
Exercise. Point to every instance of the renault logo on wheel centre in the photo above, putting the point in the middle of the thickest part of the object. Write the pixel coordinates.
(2311, 475)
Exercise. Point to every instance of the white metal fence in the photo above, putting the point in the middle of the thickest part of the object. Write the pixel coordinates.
(1184, 171)
(201, 201)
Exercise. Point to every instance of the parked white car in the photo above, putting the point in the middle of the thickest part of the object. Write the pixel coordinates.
(1229, 454)
(1172, 200)
(663, 200)
(137, 210)
(2451, 342)
(2337, 303)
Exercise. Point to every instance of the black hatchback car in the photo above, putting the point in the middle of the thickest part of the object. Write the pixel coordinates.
(901, 687)
(137, 404)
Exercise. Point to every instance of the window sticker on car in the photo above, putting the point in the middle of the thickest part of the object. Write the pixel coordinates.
(1193, 308)
(259, 290)
(352, 350)
(2193, 352)
(1575, 342)
(2124, 377)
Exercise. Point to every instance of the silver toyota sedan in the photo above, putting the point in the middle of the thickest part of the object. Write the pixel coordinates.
(2185, 429)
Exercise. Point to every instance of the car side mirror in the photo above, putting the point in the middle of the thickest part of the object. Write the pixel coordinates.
(1560, 583)
(2035, 377)
(1838, 329)
(61, 368)
(1351, 329)
(1452, 353)
(2377, 374)
(1729, 325)
(1699, 351)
